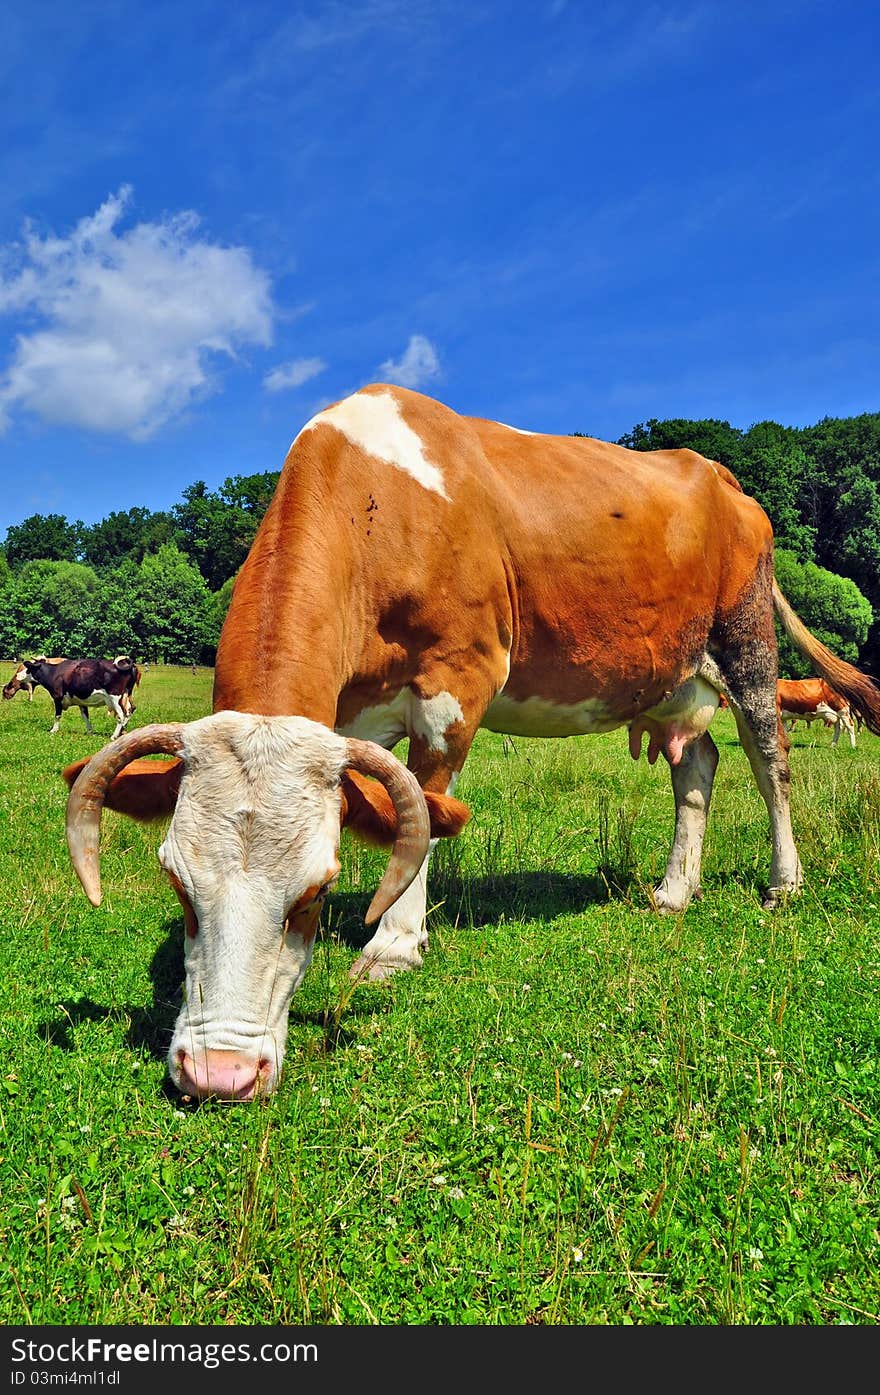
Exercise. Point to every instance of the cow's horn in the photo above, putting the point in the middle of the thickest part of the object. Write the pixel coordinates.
(413, 824)
(86, 798)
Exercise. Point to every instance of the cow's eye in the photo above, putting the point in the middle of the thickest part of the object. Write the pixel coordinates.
(311, 898)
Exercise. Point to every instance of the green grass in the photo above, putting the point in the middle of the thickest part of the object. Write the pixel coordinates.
(576, 1112)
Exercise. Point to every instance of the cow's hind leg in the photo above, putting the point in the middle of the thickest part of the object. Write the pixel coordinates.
(765, 742)
(692, 780)
(87, 719)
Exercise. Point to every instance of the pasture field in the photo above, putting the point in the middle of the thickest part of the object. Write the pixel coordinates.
(577, 1112)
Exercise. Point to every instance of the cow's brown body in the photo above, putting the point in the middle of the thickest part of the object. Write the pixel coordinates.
(361, 581)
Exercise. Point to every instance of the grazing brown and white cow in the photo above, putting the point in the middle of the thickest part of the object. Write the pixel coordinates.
(21, 681)
(421, 574)
(812, 699)
(86, 683)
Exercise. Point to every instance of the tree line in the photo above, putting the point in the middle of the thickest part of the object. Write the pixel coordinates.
(156, 584)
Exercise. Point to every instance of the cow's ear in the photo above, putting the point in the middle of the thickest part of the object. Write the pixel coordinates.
(368, 811)
(145, 789)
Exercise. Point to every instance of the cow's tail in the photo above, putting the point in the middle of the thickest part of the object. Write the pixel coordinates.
(860, 691)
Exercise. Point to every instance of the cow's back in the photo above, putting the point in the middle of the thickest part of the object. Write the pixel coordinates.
(400, 528)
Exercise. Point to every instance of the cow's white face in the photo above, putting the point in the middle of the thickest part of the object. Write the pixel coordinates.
(251, 851)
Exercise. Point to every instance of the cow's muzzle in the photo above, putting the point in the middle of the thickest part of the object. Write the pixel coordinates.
(223, 1075)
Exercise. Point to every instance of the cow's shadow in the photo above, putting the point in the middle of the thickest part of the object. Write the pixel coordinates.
(149, 1027)
(470, 903)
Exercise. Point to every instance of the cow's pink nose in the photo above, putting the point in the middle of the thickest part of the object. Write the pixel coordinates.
(225, 1074)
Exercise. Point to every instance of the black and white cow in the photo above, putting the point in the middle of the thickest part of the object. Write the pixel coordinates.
(86, 683)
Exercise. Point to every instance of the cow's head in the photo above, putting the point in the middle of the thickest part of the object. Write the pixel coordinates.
(826, 713)
(16, 682)
(23, 675)
(251, 851)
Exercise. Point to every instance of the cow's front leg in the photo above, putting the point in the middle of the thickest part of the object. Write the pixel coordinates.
(59, 708)
(440, 736)
(401, 936)
(692, 781)
(88, 721)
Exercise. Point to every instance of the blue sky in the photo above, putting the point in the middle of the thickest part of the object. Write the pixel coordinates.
(570, 216)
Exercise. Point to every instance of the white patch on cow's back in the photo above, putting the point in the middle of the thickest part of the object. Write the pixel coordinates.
(387, 723)
(538, 716)
(373, 421)
(518, 429)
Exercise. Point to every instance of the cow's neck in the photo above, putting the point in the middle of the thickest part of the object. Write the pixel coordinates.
(280, 650)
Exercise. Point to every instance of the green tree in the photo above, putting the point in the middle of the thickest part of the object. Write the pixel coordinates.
(716, 440)
(832, 606)
(220, 602)
(49, 608)
(118, 608)
(171, 608)
(251, 493)
(43, 537)
(126, 533)
(217, 529)
(773, 467)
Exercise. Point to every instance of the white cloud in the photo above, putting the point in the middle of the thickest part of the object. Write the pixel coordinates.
(418, 364)
(126, 323)
(294, 374)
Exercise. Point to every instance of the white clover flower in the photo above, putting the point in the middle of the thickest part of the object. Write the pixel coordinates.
(439, 1180)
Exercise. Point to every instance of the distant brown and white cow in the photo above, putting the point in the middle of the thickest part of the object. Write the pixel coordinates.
(420, 575)
(21, 681)
(86, 683)
(812, 699)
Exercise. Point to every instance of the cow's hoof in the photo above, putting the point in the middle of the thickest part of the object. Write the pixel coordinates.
(369, 970)
(779, 896)
(673, 901)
